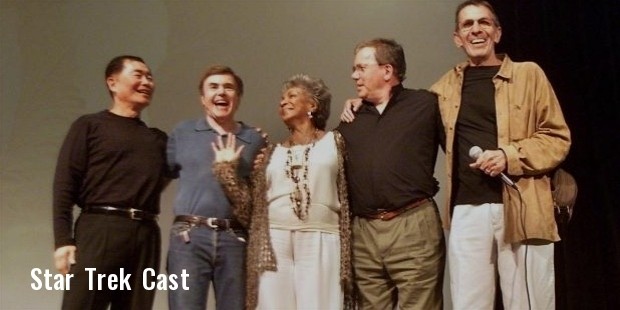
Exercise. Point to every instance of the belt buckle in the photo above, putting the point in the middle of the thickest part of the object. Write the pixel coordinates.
(133, 214)
(210, 222)
(382, 213)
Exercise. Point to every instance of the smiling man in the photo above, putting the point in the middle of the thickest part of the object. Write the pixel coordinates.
(111, 165)
(206, 240)
(398, 244)
(509, 110)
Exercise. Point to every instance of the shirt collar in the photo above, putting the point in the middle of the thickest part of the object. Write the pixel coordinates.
(505, 70)
(396, 89)
(242, 132)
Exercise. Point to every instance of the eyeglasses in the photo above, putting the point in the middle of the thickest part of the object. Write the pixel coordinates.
(483, 23)
(361, 68)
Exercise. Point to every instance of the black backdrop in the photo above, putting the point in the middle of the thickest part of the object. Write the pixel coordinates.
(577, 43)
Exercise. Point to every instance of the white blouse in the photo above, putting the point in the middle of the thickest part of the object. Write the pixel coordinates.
(324, 210)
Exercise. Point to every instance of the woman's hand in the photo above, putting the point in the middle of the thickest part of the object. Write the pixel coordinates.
(228, 151)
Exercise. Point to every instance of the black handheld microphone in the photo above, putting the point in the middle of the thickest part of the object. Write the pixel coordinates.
(476, 151)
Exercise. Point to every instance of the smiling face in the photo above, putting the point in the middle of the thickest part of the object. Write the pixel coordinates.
(220, 97)
(295, 104)
(133, 86)
(477, 33)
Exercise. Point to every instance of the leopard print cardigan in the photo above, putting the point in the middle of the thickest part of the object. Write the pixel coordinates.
(250, 208)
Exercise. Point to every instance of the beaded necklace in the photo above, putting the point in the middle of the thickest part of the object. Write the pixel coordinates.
(297, 171)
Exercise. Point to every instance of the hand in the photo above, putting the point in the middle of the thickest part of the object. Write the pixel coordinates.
(258, 160)
(350, 107)
(260, 157)
(490, 162)
(263, 134)
(226, 152)
(64, 257)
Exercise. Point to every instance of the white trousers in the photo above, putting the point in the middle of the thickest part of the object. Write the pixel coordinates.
(477, 252)
(308, 275)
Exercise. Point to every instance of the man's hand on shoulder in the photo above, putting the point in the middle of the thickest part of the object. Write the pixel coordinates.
(350, 107)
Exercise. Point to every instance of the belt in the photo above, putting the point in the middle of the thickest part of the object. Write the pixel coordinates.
(386, 215)
(131, 213)
(211, 222)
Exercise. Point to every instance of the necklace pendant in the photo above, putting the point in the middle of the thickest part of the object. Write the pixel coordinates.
(297, 196)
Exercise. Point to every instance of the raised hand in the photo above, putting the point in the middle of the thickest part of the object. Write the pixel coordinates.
(226, 151)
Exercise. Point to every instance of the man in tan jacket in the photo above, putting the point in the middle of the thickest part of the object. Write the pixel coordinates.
(509, 110)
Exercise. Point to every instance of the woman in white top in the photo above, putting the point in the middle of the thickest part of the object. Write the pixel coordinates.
(296, 208)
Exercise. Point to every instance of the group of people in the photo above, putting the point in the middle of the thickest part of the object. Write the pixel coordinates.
(326, 219)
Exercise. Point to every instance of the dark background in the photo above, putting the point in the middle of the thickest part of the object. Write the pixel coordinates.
(577, 43)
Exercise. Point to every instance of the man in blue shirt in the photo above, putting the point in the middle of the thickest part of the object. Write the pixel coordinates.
(206, 241)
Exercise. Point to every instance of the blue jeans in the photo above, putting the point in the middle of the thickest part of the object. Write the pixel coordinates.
(207, 255)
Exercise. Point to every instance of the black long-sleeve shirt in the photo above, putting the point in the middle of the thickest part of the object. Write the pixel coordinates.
(391, 156)
(107, 159)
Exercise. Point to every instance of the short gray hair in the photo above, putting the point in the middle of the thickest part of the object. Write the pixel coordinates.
(318, 91)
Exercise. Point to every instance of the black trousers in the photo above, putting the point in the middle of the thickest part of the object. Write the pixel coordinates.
(109, 243)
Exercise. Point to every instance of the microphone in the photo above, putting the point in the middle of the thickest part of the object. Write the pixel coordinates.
(476, 151)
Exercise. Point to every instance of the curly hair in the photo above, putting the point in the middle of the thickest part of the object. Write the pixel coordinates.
(318, 91)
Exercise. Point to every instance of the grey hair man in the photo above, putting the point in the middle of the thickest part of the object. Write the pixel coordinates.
(501, 118)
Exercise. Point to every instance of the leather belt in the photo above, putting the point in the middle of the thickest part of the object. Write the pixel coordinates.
(386, 215)
(211, 222)
(130, 213)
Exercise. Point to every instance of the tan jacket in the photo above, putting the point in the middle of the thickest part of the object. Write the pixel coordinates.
(531, 130)
(250, 207)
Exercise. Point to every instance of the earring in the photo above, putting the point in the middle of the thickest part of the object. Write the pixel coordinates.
(310, 114)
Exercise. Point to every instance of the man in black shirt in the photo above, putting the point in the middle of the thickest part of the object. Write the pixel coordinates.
(398, 242)
(111, 165)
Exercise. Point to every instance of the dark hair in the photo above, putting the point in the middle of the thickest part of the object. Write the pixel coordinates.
(117, 64)
(221, 70)
(318, 91)
(475, 3)
(387, 51)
